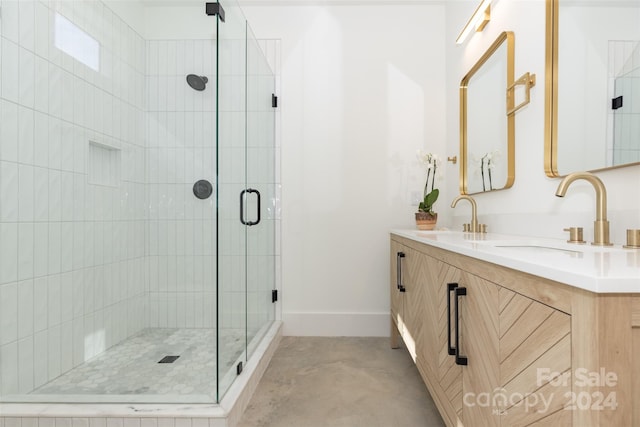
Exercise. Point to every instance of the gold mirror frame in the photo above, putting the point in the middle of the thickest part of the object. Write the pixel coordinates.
(509, 37)
(551, 95)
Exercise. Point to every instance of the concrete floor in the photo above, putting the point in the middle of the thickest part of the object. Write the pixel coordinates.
(340, 382)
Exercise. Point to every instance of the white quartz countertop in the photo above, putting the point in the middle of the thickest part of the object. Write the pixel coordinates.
(597, 269)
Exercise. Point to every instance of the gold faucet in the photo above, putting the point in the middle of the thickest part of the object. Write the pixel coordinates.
(474, 227)
(600, 225)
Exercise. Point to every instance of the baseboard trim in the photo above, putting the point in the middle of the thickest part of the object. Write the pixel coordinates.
(336, 324)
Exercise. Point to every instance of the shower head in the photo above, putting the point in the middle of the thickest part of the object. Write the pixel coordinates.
(197, 82)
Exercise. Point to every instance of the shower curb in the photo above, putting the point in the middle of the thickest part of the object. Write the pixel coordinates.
(225, 414)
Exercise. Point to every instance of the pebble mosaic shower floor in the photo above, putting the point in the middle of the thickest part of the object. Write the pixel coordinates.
(132, 367)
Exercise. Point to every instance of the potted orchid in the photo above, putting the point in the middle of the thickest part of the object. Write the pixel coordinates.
(426, 217)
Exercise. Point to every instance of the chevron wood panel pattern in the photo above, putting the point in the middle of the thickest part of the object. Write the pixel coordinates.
(510, 310)
(534, 337)
(395, 296)
(505, 296)
(450, 373)
(447, 274)
(556, 359)
(453, 383)
(414, 302)
(547, 400)
(428, 278)
(536, 403)
(558, 418)
(550, 331)
(479, 342)
(408, 309)
(520, 324)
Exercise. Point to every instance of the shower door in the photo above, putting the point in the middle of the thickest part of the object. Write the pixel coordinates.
(246, 191)
(260, 175)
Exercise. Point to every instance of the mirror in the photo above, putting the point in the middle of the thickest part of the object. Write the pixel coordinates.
(592, 100)
(487, 132)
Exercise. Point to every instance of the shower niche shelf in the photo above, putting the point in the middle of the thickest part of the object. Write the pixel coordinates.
(104, 164)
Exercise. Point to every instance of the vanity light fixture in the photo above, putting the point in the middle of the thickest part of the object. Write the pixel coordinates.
(479, 20)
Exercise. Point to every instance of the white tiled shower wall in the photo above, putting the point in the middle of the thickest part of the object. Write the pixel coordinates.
(180, 150)
(72, 264)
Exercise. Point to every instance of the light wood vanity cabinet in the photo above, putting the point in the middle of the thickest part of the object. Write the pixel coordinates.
(408, 299)
(530, 343)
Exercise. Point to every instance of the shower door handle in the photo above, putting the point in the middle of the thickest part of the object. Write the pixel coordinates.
(242, 196)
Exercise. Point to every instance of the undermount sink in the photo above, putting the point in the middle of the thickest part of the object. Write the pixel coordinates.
(538, 248)
(546, 246)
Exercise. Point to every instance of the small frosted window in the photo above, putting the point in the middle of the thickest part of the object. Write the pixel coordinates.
(73, 41)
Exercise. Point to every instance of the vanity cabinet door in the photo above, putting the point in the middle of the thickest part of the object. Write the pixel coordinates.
(478, 342)
(429, 279)
(464, 386)
(535, 346)
(397, 251)
(415, 317)
(514, 346)
(408, 297)
(449, 374)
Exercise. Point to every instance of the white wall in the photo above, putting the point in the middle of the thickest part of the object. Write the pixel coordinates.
(530, 206)
(349, 134)
(362, 90)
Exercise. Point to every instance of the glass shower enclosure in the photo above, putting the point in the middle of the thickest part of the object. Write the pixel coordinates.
(246, 188)
(137, 206)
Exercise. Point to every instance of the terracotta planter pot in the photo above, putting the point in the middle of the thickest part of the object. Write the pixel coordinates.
(426, 221)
